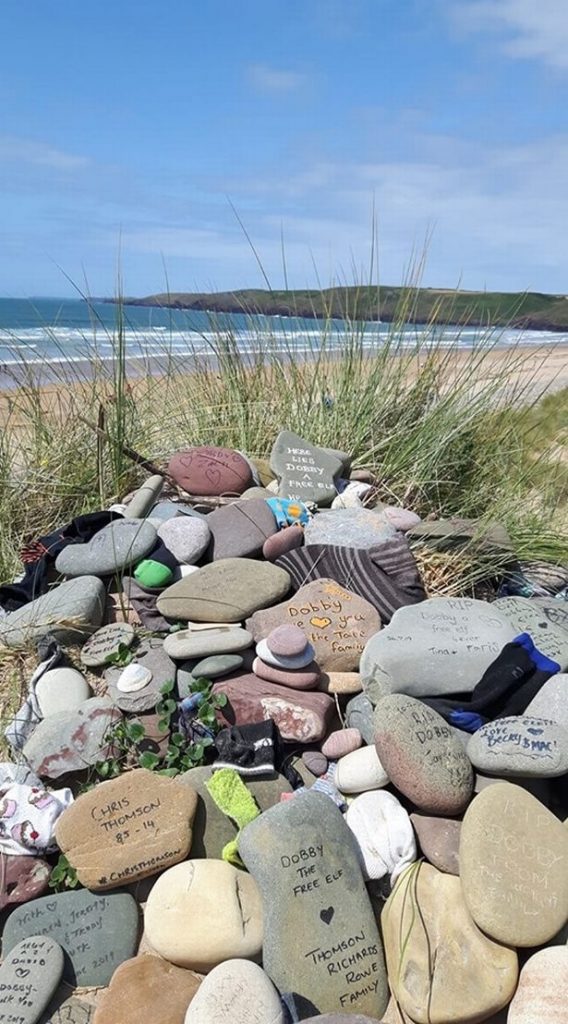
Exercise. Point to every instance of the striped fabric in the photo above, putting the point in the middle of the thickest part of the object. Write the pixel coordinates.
(386, 575)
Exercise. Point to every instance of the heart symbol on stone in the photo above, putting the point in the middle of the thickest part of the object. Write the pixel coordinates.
(326, 915)
(543, 625)
(52, 907)
(320, 623)
(22, 972)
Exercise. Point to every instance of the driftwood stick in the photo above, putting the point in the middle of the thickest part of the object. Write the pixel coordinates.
(130, 453)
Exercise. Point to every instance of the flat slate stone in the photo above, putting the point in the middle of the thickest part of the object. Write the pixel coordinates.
(188, 643)
(70, 612)
(147, 988)
(65, 1009)
(151, 655)
(212, 829)
(226, 591)
(29, 976)
(305, 471)
(546, 621)
(316, 909)
(236, 992)
(96, 932)
(240, 529)
(61, 689)
(551, 700)
(301, 716)
(187, 537)
(22, 878)
(337, 623)
(127, 828)
(514, 866)
(72, 740)
(421, 756)
(439, 840)
(106, 642)
(208, 471)
(520, 745)
(441, 646)
(349, 527)
(120, 544)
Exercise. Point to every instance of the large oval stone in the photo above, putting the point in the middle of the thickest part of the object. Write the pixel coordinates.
(239, 530)
(542, 994)
(122, 543)
(71, 741)
(520, 745)
(421, 755)
(514, 866)
(302, 716)
(236, 992)
(209, 471)
(226, 591)
(442, 969)
(70, 612)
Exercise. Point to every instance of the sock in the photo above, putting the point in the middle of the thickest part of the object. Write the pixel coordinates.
(29, 716)
(233, 798)
(249, 749)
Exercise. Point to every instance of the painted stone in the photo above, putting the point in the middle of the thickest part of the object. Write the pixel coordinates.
(189, 643)
(208, 472)
(103, 644)
(151, 655)
(337, 622)
(187, 537)
(421, 756)
(96, 932)
(22, 878)
(514, 866)
(546, 621)
(349, 527)
(301, 716)
(225, 591)
(240, 529)
(29, 976)
(61, 689)
(147, 988)
(72, 740)
(316, 909)
(520, 745)
(542, 992)
(305, 472)
(235, 992)
(120, 544)
(69, 612)
(439, 840)
(127, 828)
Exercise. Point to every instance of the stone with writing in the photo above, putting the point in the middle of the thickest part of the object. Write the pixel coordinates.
(240, 529)
(127, 828)
(421, 756)
(151, 655)
(542, 992)
(551, 700)
(209, 472)
(520, 745)
(72, 741)
(61, 689)
(29, 976)
(337, 623)
(212, 829)
(96, 931)
(514, 866)
(302, 716)
(202, 912)
(105, 643)
(22, 878)
(190, 643)
(147, 988)
(65, 1009)
(442, 969)
(439, 840)
(304, 471)
(225, 591)
(122, 543)
(439, 647)
(69, 612)
(321, 941)
(186, 537)
(235, 992)
(349, 527)
(546, 621)
(360, 771)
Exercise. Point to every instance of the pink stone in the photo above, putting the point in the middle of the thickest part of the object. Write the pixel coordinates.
(298, 679)
(401, 518)
(22, 878)
(342, 742)
(286, 641)
(208, 471)
(282, 542)
(315, 762)
(300, 717)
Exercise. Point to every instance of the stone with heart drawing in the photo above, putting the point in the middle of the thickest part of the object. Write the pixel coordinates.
(122, 543)
(546, 621)
(321, 941)
(337, 623)
(520, 745)
(28, 979)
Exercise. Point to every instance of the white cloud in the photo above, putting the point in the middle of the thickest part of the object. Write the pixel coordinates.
(534, 30)
(265, 78)
(40, 154)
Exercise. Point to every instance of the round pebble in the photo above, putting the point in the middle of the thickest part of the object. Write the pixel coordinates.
(186, 537)
(286, 641)
(280, 661)
(315, 762)
(360, 771)
(61, 689)
(341, 742)
(133, 678)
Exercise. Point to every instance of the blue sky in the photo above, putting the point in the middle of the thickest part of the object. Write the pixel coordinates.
(131, 132)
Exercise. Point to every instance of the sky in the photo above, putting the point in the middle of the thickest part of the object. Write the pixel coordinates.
(201, 145)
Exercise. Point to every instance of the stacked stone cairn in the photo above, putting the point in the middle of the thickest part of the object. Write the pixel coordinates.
(261, 776)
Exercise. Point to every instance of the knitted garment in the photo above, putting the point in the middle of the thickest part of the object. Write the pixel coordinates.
(233, 798)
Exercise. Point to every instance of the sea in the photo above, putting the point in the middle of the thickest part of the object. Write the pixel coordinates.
(40, 338)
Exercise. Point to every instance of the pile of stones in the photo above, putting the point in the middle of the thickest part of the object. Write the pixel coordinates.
(261, 777)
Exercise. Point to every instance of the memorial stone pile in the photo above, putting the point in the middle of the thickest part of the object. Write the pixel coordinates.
(292, 785)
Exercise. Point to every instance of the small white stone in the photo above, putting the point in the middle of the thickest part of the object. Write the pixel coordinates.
(134, 677)
(61, 689)
(360, 771)
(296, 661)
(235, 992)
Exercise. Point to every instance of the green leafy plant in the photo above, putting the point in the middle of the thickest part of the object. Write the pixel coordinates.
(183, 755)
(121, 657)
(63, 875)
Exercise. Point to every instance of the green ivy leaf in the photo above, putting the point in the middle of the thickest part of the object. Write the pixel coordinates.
(219, 700)
(168, 687)
(135, 731)
(148, 760)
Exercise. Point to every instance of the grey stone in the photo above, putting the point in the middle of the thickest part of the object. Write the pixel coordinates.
(105, 642)
(360, 714)
(305, 861)
(217, 665)
(66, 1009)
(236, 992)
(551, 700)
(120, 544)
(226, 591)
(212, 829)
(290, 663)
(544, 618)
(256, 492)
(72, 740)
(61, 689)
(96, 932)
(152, 655)
(145, 497)
(188, 643)
(520, 745)
(305, 471)
(349, 527)
(421, 756)
(167, 509)
(70, 612)
(441, 646)
(186, 537)
(28, 978)
(240, 529)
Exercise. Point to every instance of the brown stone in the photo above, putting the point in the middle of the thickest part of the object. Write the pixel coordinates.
(542, 994)
(209, 472)
(439, 840)
(441, 968)
(289, 539)
(133, 826)
(340, 682)
(306, 678)
(147, 988)
(302, 717)
(335, 621)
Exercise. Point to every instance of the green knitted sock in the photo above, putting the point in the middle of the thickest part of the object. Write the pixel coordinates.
(233, 798)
